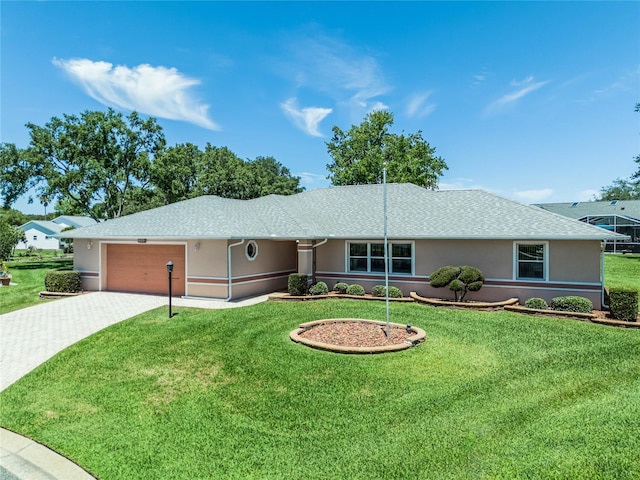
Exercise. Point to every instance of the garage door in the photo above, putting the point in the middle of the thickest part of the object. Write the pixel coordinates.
(143, 268)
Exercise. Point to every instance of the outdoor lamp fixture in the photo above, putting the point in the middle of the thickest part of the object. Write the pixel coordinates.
(170, 271)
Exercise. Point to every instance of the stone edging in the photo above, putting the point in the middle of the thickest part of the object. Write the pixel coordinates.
(552, 313)
(58, 294)
(302, 298)
(415, 339)
(446, 303)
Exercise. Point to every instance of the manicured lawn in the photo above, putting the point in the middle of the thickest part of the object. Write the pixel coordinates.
(226, 394)
(28, 277)
(622, 270)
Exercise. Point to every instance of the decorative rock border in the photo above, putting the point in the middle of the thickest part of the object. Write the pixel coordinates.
(302, 298)
(415, 339)
(58, 294)
(479, 305)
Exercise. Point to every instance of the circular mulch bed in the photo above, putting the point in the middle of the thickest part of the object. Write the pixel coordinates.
(353, 335)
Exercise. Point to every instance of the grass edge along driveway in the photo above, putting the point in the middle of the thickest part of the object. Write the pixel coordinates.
(226, 394)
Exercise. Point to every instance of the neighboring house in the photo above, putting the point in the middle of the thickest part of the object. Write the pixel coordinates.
(40, 234)
(620, 216)
(225, 248)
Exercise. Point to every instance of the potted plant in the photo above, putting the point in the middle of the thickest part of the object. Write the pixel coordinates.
(5, 276)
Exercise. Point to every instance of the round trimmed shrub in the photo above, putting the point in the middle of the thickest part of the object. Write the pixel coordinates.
(444, 276)
(572, 303)
(623, 303)
(340, 287)
(319, 288)
(297, 284)
(537, 303)
(355, 289)
(380, 291)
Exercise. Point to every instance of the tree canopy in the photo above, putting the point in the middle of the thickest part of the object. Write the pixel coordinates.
(94, 159)
(105, 165)
(360, 153)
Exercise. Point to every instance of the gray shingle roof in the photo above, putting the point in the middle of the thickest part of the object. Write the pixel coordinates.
(626, 208)
(354, 211)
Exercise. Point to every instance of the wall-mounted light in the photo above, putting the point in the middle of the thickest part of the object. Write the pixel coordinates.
(142, 240)
(196, 247)
(89, 244)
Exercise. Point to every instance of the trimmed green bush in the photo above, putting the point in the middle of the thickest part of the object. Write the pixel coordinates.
(444, 276)
(380, 291)
(298, 284)
(537, 303)
(62, 281)
(460, 280)
(572, 304)
(355, 289)
(623, 303)
(340, 287)
(319, 288)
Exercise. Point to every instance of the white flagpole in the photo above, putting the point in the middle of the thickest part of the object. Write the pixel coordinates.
(386, 247)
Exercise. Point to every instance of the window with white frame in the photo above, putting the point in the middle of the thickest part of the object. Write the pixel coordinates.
(251, 250)
(369, 257)
(531, 260)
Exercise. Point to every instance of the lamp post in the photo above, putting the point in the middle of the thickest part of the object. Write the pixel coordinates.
(170, 271)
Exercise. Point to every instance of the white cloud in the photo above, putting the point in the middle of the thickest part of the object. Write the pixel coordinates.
(158, 91)
(418, 106)
(338, 69)
(312, 180)
(534, 195)
(524, 88)
(306, 119)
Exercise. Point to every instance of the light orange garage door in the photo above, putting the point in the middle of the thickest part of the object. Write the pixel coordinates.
(143, 268)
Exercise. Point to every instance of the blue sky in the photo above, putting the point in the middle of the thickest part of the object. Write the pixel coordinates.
(530, 100)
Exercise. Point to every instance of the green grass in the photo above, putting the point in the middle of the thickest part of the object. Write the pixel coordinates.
(28, 277)
(226, 394)
(622, 270)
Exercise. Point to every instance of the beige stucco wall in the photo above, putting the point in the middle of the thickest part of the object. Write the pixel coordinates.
(574, 269)
(87, 262)
(207, 268)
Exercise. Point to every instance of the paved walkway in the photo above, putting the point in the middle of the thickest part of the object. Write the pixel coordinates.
(31, 336)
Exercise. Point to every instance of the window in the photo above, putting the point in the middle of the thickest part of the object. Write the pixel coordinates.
(35, 238)
(369, 257)
(531, 261)
(251, 250)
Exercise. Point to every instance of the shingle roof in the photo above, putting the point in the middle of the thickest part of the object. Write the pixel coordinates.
(625, 208)
(74, 220)
(354, 211)
(45, 226)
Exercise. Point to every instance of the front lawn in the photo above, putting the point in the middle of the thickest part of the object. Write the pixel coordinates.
(226, 394)
(28, 282)
(621, 270)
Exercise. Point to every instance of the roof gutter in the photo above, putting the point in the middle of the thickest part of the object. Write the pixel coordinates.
(230, 284)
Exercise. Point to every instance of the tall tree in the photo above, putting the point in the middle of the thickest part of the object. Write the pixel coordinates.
(93, 160)
(268, 176)
(360, 153)
(16, 173)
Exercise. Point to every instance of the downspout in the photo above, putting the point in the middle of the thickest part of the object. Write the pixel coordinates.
(313, 260)
(602, 250)
(230, 285)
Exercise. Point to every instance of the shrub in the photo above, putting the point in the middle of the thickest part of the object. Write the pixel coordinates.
(443, 276)
(65, 281)
(572, 304)
(460, 280)
(623, 303)
(380, 291)
(319, 288)
(340, 287)
(355, 289)
(298, 284)
(537, 303)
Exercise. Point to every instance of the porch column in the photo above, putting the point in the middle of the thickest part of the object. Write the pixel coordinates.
(305, 257)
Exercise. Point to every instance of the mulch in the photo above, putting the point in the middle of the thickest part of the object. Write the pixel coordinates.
(356, 334)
